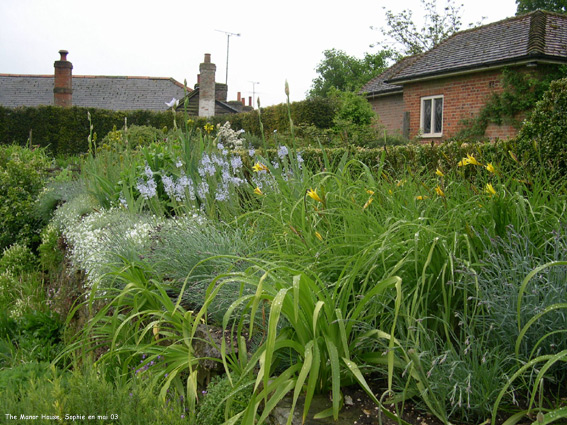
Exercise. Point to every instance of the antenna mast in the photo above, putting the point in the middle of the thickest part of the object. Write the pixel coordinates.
(228, 34)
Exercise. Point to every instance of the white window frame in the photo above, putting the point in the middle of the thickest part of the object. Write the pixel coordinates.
(421, 109)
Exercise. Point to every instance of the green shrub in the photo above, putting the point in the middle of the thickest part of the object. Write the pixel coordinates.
(8, 326)
(40, 389)
(50, 254)
(18, 376)
(211, 408)
(17, 259)
(39, 335)
(136, 136)
(543, 137)
(21, 293)
(22, 175)
(33, 337)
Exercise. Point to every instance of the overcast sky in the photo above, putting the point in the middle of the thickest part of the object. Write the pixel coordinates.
(168, 38)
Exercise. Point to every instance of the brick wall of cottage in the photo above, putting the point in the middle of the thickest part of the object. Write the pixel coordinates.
(464, 97)
(390, 112)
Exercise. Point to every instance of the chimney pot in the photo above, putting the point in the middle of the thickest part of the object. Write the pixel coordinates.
(238, 96)
(249, 100)
(63, 54)
(207, 58)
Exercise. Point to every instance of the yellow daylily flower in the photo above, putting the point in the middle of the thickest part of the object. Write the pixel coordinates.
(312, 193)
(491, 168)
(468, 160)
(439, 191)
(439, 173)
(318, 235)
(257, 191)
(421, 198)
(368, 203)
(370, 192)
(259, 167)
(209, 127)
(490, 189)
(472, 160)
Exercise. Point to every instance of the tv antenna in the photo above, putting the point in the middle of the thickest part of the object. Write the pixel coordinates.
(254, 92)
(228, 34)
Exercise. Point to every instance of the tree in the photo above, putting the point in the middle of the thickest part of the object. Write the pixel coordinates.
(347, 73)
(437, 26)
(525, 6)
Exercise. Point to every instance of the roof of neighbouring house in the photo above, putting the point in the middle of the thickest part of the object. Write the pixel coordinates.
(534, 37)
(106, 92)
(193, 107)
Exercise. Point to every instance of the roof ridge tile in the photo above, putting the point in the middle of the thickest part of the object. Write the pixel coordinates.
(536, 41)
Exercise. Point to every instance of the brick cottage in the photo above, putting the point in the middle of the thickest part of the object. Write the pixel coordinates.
(431, 95)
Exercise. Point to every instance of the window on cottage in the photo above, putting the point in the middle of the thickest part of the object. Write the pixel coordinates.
(432, 116)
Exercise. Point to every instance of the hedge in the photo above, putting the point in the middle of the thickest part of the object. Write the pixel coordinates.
(64, 131)
(419, 158)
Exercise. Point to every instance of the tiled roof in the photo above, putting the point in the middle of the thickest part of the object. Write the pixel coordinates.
(221, 108)
(106, 92)
(378, 84)
(535, 36)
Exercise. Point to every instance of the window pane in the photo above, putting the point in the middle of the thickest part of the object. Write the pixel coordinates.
(438, 119)
(426, 116)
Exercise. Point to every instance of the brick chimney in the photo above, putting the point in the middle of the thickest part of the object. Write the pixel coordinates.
(63, 87)
(207, 87)
(221, 92)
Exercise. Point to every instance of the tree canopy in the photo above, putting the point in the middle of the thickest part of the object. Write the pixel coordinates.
(525, 6)
(436, 26)
(345, 72)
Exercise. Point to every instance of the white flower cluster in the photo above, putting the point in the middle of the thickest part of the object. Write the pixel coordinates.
(229, 137)
(96, 240)
(99, 240)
